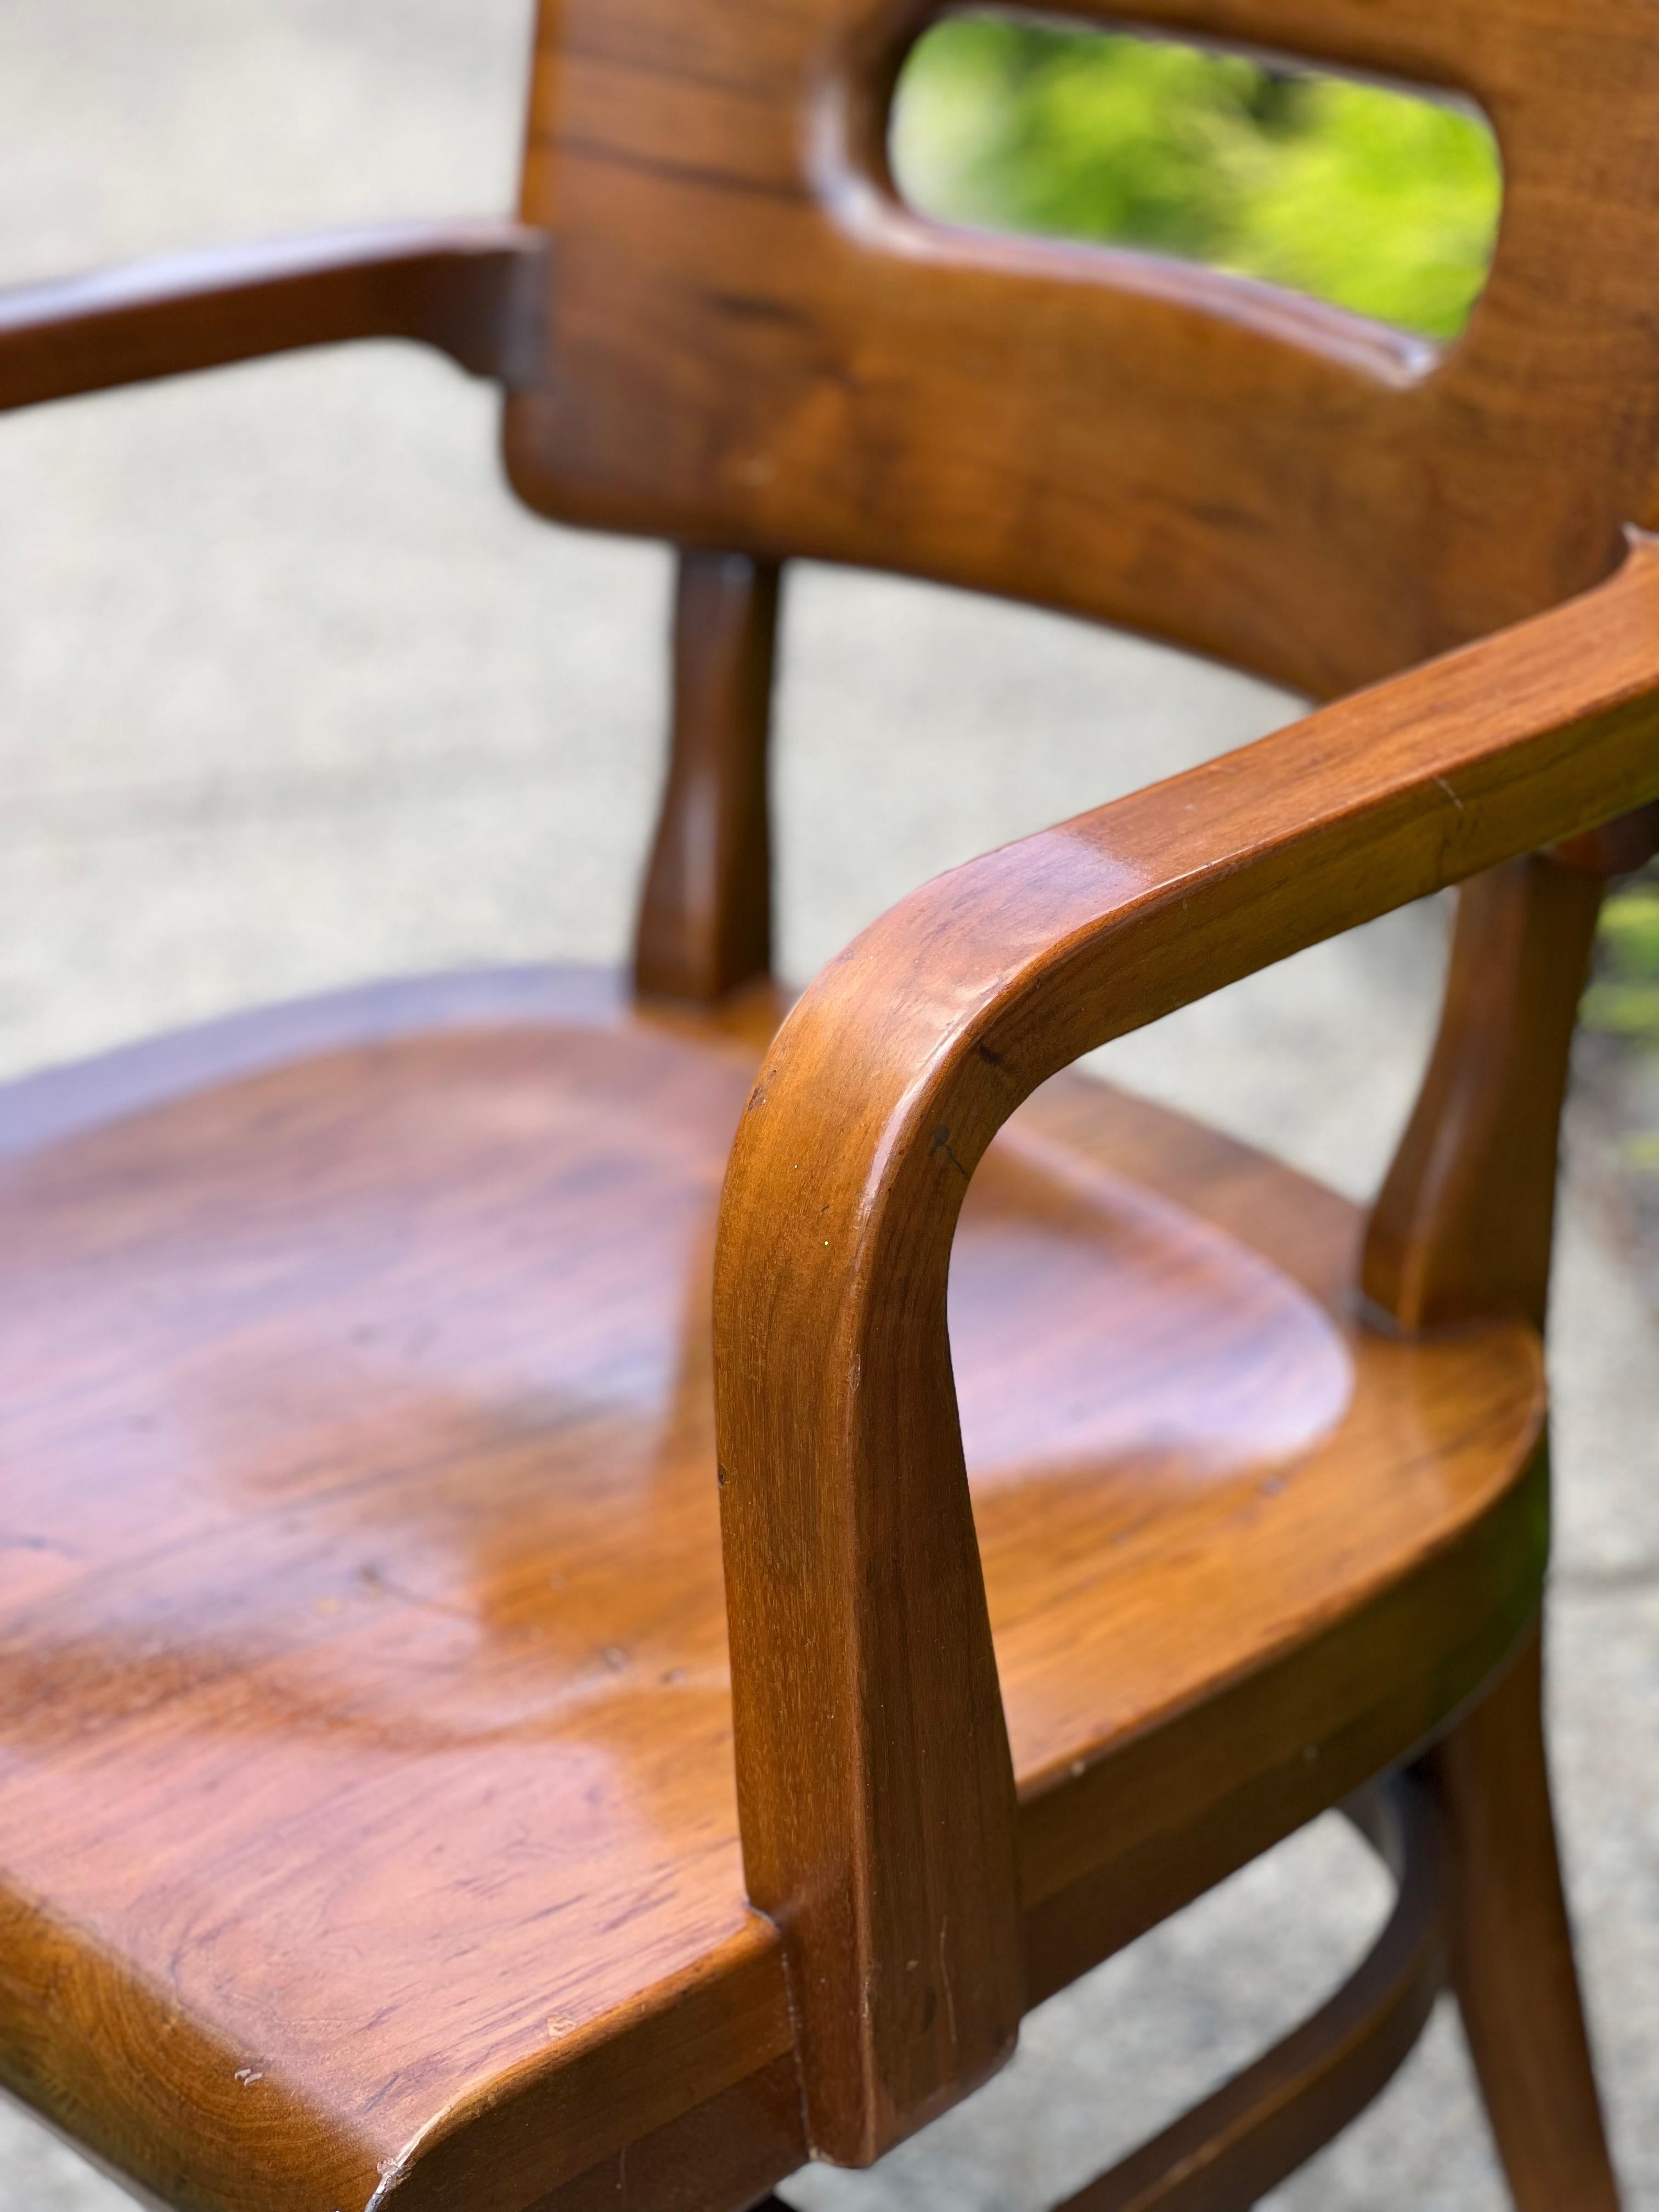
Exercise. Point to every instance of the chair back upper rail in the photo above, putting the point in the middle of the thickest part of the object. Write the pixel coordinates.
(758, 348)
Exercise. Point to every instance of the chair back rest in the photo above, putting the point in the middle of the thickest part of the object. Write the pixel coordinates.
(757, 346)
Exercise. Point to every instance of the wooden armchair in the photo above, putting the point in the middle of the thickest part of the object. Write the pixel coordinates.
(383, 1824)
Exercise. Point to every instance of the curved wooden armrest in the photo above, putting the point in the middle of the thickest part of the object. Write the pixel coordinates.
(475, 291)
(874, 1782)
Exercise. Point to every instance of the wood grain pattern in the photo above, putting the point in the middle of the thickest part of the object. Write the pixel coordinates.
(1463, 1224)
(871, 1766)
(705, 924)
(1512, 1951)
(383, 1823)
(475, 291)
(367, 1724)
(1248, 2136)
(1465, 1219)
(760, 348)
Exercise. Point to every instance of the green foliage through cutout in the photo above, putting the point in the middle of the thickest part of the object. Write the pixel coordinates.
(1383, 202)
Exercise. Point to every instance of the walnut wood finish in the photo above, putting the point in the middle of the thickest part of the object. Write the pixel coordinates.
(873, 1770)
(1463, 1224)
(372, 1820)
(1465, 1219)
(1618, 849)
(475, 291)
(1512, 1951)
(760, 348)
(1257, 2128)
(705, 925)
(367, 1725)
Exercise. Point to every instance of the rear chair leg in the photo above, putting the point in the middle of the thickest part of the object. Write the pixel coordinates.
(1512, 1961)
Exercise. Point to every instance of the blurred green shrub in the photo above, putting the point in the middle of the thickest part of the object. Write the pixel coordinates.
(1624, 998)
(1377, 200)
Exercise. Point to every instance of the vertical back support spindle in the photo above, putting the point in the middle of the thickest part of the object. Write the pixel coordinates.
(705, 921)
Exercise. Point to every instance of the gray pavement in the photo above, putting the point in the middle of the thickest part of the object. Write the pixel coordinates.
(289, 694)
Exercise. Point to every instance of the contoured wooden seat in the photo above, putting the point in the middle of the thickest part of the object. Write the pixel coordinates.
(514, 1701)
(366, 1568)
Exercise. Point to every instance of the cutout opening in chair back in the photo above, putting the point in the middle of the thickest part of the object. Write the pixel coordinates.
(1374, 198)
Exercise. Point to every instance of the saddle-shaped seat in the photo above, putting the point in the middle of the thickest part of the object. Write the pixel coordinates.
(362, 1560)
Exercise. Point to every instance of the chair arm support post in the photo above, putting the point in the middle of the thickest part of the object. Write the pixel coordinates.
(476, 290)
(874, 1781)
(1463, 1226)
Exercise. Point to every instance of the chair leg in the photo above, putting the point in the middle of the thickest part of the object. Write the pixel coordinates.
(1512, 1962)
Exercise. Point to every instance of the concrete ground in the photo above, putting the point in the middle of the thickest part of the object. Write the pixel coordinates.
(290, 694)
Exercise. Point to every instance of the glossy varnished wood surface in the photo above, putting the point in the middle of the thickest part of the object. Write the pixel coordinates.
(367, 1725)
(1511, 1951)
(1252, 2132)
(370, 1825)
(477, 291)
(705, 921)
(758, 347)
(1463, 1223)
(877, 1819)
